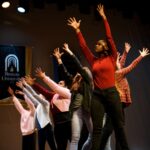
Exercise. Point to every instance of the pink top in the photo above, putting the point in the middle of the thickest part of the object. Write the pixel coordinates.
(27, 121)
(62, 99)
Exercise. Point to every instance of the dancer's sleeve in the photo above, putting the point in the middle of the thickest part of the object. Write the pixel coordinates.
(18, 105)
(128, 69)
(64, 92)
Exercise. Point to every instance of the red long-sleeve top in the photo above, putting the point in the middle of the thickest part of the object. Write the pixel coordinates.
(103, 68)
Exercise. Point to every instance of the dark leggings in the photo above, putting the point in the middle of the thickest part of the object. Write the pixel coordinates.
(46, 134)
(29, 142)
(108, 129)
(62, 134)
(110, 99)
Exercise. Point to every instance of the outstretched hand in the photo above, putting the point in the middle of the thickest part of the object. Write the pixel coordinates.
(57, 53)
(74, 23)
(39, 73)
(30, 80)
(67, 49)
(10, 91)
(19, 92)
(127, 47)
(118, 59)
(100, 9)
(144, 52)
(19, 84)
(23, 81)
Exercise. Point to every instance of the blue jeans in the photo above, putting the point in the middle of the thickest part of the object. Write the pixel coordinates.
(78, 117)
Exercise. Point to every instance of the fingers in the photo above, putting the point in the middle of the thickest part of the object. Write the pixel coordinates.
(19, 84)
(10, 91)
(72, 20)
(100, 7)
(19, 92)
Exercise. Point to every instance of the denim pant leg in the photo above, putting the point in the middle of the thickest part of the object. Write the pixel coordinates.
(77, 123)
(114, 111)
(88, 121)
(97, 113)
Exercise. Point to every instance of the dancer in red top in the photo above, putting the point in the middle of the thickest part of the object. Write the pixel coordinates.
(103, 69)
(123, 87)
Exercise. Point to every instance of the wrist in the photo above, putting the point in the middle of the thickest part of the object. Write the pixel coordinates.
(59, 61)
(104, 17)
(77, 30)
(43, 76)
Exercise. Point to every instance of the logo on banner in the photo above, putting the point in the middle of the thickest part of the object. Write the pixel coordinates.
(11, 68)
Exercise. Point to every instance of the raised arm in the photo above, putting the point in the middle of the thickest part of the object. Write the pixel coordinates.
(35, 95)
(100, 9)
(16, 102)
(127, 48)
(64, 92)
(74, 24)
(26, 92)
(76, 61)
(62, 69)
(28, 101)
(128, 69)
(31, 81)
(86, 51)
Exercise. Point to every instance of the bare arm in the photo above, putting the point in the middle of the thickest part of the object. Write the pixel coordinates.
(17, 103)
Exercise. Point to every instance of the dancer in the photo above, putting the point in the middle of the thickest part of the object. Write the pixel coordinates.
(123, 88)
(103, 69)
(59, 97)
(27, 120)
(43, 121)
(81, 88)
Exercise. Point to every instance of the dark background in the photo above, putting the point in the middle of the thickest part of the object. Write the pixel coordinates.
(45, 28)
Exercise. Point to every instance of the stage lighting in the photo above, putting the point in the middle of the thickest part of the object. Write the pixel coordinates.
(5, 3)
(23, 6)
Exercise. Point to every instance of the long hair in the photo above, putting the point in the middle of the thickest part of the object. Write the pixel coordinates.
(90, 75)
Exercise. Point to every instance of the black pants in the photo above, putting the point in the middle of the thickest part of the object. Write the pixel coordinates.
(46, 134)
(110, 99)
(97, 113)
(108, 129)
(29, 142)
(62, 132)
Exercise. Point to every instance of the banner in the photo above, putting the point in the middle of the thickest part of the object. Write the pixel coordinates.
(12, 67)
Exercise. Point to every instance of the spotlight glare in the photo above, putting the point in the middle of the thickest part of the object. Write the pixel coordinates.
(21, 9)
(6, 4)
(23, 6)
